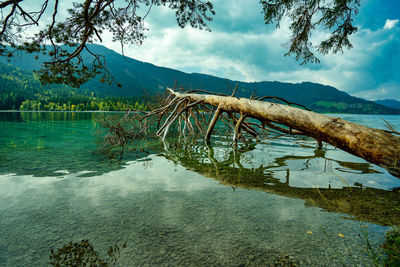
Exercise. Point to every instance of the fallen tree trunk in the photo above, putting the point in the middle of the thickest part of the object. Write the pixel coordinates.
(187, 108)
(374, 145)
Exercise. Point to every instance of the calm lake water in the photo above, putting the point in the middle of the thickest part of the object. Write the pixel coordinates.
(181, 203)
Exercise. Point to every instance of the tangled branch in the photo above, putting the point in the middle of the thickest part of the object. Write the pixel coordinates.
(187, 116)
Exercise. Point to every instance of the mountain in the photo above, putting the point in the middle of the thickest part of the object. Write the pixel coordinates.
(389, 103)
(138, 78)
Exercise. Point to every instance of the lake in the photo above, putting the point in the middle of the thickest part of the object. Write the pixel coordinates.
(182, 203)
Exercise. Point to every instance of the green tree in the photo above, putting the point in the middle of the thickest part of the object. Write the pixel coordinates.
(26, 105)
(80, 107)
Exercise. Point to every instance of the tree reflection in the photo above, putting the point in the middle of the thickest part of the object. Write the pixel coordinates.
(83, 254)
(360, 202)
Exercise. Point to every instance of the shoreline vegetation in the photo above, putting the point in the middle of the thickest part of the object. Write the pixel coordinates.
(91, 103)
(83, 103)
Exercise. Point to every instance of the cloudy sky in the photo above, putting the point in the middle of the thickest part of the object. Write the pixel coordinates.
(242, 47)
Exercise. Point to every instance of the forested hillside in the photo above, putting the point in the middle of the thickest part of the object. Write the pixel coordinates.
(392, 103)
(139, 78)
(20, 90)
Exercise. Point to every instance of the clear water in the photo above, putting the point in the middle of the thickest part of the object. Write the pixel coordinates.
(182, 203)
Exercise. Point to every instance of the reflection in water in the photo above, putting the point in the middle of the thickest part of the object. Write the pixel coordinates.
(83, 254)
(169, 213)
(352, 167)
(362, 203)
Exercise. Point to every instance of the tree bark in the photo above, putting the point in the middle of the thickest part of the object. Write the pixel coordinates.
(374, 145)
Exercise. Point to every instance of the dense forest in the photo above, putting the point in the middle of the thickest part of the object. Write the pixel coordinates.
(21, 90)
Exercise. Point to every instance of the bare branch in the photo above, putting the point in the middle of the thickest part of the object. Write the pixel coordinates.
(212, 123)
(5, 22)
(9, 2)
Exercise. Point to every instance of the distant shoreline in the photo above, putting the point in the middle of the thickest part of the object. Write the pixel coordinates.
(80, 111)
(121, 111)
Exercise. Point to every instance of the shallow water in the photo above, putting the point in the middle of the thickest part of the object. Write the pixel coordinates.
(182, 203)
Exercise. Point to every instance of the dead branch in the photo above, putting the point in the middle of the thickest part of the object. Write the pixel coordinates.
(212, 123)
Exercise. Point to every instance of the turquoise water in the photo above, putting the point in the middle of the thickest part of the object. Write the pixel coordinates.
(181, 203)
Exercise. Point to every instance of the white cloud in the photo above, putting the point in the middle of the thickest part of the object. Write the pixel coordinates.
(390, 24)
(255, 53)
(384, 91)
